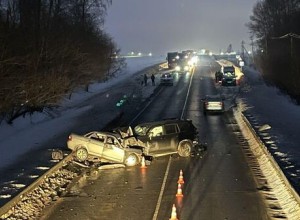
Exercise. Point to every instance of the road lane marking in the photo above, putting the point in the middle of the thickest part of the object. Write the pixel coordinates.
(162, 190)
(187, 95)
(158, 204)
(170, 159)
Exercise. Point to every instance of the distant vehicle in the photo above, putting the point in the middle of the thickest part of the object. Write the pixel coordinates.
(168, 137)
(183, 62)
(228, 76)
(166, 79)
(226, 69)
(213, 103)
(172, 58)
(103, 147)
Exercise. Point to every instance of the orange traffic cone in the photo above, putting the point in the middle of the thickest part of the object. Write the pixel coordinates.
(179, 191)
(143, 165)
(173, 214)
(180, 180)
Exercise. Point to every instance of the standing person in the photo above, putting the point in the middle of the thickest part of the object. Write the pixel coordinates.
(153, 79)
(145, 79)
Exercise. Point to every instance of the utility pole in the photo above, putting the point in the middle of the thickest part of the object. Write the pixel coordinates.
(252, 44)
(291, 36)
(242, 49)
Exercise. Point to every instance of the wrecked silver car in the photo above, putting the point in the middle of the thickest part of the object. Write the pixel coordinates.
(104, 147)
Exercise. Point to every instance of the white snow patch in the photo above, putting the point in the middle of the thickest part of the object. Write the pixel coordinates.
(18, 185)
(5, 196)
(42, 168)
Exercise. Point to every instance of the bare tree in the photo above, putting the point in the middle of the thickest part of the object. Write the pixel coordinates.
(275, 24)
(47, 49)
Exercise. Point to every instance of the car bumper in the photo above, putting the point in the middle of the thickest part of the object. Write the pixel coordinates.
(229, 82)
(214, 109)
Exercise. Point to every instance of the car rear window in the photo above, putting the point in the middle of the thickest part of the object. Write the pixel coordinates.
(170, 129)
(166, 75)
(229, 69)
(214, 99)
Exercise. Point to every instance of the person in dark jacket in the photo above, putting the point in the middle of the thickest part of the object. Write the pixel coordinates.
(145, 79)
(153, 79)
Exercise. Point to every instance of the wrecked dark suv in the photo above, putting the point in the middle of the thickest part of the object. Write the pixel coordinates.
(165, 137)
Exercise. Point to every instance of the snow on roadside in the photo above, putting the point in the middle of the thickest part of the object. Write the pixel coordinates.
(24, 134)
(267, 105)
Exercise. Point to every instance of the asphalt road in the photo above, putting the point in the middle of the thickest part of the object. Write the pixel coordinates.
(218, 184)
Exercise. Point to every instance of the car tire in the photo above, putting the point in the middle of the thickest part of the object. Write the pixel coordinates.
(81, 154)
(131, 160)
(185, 148)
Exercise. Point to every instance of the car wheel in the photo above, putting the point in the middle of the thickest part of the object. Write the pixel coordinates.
(131, 160)
(184, 148)
(81, 154)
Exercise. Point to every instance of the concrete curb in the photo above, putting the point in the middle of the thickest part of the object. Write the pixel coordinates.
(276, 184)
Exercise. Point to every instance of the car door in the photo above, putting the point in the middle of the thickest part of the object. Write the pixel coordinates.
(96, 144)
(113, 150)
(161, 138)
(171, 136)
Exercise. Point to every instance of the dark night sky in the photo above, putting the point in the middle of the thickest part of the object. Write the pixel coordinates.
(159, 26)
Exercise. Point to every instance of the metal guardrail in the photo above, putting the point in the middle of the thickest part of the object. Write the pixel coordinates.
(14, 201)
(284, 192)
